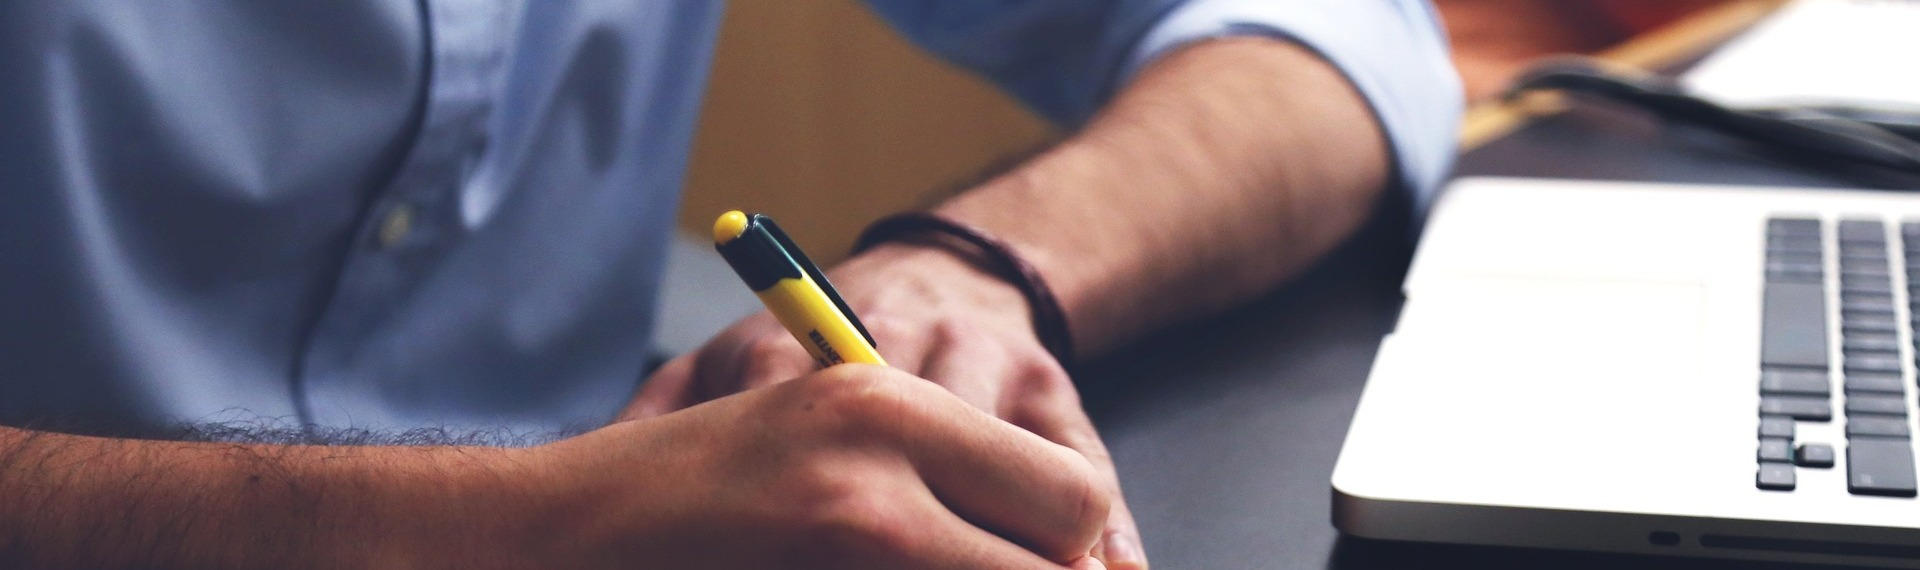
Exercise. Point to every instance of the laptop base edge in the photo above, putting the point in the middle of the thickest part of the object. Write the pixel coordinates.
(1626, 533)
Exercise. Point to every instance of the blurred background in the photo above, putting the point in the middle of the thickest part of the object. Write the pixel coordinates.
(823, 117)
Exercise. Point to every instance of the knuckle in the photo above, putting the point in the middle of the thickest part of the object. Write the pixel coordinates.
(1094, 496)
(1046, 378)
(952, 331)
(867, 399)
(769, 359)
(770, 347)
(883, 326)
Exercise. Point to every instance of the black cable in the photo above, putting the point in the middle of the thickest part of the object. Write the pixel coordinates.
(1831, 138)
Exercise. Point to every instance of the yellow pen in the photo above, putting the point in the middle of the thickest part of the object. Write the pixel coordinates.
(793, 288)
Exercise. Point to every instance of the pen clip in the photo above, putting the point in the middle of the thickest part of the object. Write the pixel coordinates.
(813, 272)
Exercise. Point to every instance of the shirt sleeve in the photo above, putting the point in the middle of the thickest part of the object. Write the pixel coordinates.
(1064, 58)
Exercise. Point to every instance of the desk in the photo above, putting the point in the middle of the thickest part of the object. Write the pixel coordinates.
(1226, 432)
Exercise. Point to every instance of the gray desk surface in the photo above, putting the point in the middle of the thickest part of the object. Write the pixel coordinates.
(1226, 433)
(1226, 430)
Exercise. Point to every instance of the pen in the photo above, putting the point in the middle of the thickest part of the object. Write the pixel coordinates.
(793, 288)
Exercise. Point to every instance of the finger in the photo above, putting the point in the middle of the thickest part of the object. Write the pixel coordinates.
(1050, 407)
(769, 359)
(946, 541)
(669, 389)
(980, 374)
(752, 353)
(904, 346)
(1088, 563)
(1003, 478)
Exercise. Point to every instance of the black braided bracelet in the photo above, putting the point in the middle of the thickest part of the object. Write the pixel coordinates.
(992, 254)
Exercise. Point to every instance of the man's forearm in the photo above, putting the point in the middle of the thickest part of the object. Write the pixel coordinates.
(1220, 171)
(73, 501)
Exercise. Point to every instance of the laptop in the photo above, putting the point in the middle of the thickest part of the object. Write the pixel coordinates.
(1716, 371)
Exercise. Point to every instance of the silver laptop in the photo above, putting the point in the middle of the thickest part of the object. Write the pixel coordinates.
(1685, 370)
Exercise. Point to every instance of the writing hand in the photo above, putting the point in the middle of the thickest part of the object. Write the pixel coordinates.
(934, 316)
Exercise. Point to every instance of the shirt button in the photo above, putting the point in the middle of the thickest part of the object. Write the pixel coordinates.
(395, 226)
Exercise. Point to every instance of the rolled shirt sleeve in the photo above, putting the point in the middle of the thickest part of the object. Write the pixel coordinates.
(1065, 58)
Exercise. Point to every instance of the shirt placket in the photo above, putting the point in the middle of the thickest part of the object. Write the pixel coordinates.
(415, 217)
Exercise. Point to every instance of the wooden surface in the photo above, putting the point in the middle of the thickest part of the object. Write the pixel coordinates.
(820, 115)
(1661, 48)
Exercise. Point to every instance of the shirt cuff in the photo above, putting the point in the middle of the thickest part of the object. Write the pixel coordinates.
(1393, 51)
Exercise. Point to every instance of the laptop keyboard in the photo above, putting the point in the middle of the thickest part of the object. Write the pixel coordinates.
(1796, 360)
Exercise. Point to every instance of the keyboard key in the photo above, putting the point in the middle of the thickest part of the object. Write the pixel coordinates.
(1886, 299)
(1793, 227)
(1862, 231)
(1793, 246)
(1870, 342)
(1778, 238)
(1775, 449)
(1793, 381)
(1864, 266)
(1811, 257)
(1876, 287)
(1870, 404)
(1860, 285)
(1793, 263)
(1880, 467)
(1860, 278)
(1813, 455)
(1870, 324)
(1807, 408)
(1774, 477)
(1793, 325)
(1796, 275)
(1909, 230)
(1872, 362)
(1848, 307)
(1856, 260)
(1776, 426)
(1869, 313)
(1875, 382)
(1877, 426)
(1854, 281)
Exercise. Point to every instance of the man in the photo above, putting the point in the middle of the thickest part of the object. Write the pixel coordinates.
(371, 219)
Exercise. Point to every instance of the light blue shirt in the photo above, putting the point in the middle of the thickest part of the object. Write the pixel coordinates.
(388, 215)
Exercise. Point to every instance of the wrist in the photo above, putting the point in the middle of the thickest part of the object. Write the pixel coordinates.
(913, 278)
(990, 256)
(455, 507)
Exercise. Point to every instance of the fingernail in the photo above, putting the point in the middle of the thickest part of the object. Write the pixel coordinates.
(1121, 548)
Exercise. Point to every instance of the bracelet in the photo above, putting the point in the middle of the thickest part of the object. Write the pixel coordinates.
(990, 253)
